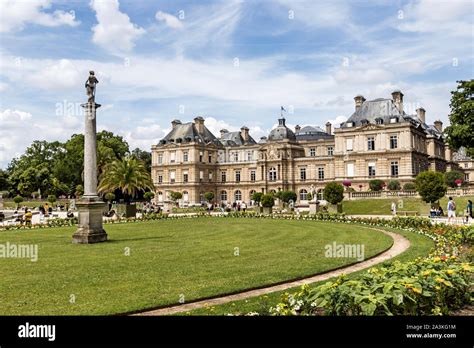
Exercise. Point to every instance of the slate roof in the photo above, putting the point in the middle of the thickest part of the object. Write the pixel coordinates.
(312, 133)
(281, 132)
(187, 132)
(235, 139)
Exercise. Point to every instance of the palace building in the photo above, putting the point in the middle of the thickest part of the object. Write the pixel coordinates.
(378, 141)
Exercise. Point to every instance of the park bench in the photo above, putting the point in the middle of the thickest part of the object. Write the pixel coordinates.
(407, 212)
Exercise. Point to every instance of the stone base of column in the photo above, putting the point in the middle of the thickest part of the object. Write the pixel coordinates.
(90, 221)
(313, 207)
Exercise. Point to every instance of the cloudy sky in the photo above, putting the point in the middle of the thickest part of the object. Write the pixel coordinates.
(232, 62)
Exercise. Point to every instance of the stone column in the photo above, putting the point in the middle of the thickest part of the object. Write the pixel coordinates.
(90, 206)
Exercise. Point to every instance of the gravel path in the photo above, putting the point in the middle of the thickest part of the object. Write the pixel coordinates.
(400, 244)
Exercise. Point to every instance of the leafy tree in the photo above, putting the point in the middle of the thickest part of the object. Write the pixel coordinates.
(430, 186)
(148, 196)
(257, 197)
(451, 177)
(128, 175)
(175, 196)
(79, 191)
(376, 185)
(409, 186)
(333, 192)
(209, 196)
(394, 185)
(52, 199)
(109, 196)
(17, 199)
(286, 196)
(268, 201)
(143, 156)
(461, 119)
(5, 184)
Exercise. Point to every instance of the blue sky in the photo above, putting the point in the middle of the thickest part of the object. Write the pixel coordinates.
(232, 62)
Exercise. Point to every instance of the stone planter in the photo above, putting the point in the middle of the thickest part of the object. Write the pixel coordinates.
(267, 210)
(127, 210)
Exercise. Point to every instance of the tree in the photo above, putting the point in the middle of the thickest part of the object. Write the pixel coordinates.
(17, 199)
(209, 196)
(5, 184)
(52, 199)
(109, 196)
(79, 191)
(376, 185)
(430, 186)
(333, 192)
(128, 175)
(148, 196)
(394, 185)
(175, 196)
(451, 177)
(286, 196)
(409, 186)
(144, 156)
(268, 201)
(461, 119)
(257, 197)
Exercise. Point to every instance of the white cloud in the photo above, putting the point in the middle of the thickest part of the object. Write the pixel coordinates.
(56, 75)
(114, 31)
(16, 14)
(170, 20)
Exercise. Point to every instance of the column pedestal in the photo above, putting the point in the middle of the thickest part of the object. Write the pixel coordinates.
(90, 228)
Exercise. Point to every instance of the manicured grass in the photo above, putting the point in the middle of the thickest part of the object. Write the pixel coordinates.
(419, 246)
(382, 206)
(193, 257)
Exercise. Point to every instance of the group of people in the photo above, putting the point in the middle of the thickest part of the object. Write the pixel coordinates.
(452, 210)
(236, 206)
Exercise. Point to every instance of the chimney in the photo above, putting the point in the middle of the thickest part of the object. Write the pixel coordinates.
(199, 123)
(420, 112)
(223, 131)
(397, 98)
(297, 128)
(244, 133)
(328, 127)
(359, 99)
(174, 123)
(439, 125)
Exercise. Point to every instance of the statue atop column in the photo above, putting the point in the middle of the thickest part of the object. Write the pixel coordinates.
(91, 82)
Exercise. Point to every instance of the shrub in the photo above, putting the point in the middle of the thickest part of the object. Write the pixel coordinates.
(268, 201)
(209, 196)
(450, 178)
(174, 196)
(109, 196)
(309, 196)
(376, 185)
(286, 196)
(148, 196)
(4, 194)
(79, 190)
(394, 185)
(430, 186)
(18, 199)
(333, 193)
(257, 197)
(52, 199)
(409, 186)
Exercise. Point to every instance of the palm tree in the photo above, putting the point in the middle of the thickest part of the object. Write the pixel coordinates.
(128, 175)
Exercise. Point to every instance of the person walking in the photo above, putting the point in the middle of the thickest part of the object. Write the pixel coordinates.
(451, 208)
(394, 209)
(468, 210)
(28, 217)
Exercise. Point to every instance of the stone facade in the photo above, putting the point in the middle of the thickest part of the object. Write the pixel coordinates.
(378, 141)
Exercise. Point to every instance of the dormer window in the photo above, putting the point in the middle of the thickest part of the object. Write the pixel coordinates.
(364, 122)
(379, 120)
(393, 119)
(350, 124)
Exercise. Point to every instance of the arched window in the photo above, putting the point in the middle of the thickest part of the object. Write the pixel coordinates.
(160, 196)
(223, 195)
(185, 196)
(320, 195)
(237, 196)
(303, 195)
(201, 197)
(272, 174)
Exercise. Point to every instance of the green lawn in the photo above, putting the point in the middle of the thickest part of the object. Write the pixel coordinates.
(193, 257)
(420, 246)
(382, 206)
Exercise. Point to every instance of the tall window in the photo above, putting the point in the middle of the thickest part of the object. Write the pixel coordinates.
(330, 151)
(249, 156)
(185, 196)
(160, 196)
(185, 156)
(370, 143)
(200, 156)
(172, 156)
(223, 195)
(237, 195)
(201, 175)
(160, 158)
(237, 175)
(253, 175)
(185, 176)
(210, 158)
(350, 170)
(394, 168)
(272, 174)
(393, 141)
(223, 176)
(210, 176)
(236, 156)
(371, 169)
(321, 174)
(172, 177)
(303, 195)
(160, 178)
(303, 174)
(349, 144)
(312, 152)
